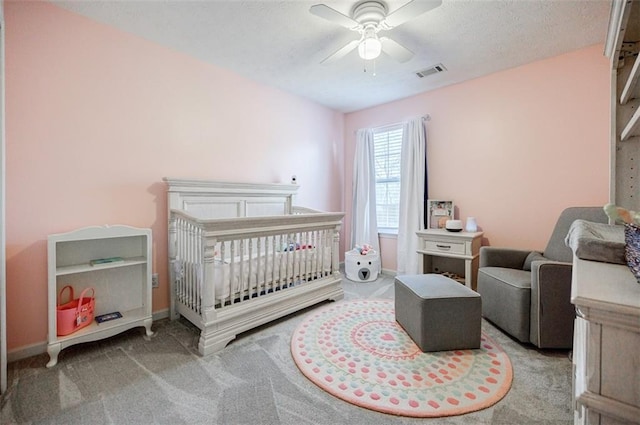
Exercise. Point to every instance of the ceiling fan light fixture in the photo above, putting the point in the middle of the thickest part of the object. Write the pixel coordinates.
(370, 48)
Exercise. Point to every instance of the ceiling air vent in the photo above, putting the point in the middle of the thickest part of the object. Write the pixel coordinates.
(431, 70)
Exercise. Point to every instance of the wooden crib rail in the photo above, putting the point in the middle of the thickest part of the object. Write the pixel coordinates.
(231, 228)
(305, 210)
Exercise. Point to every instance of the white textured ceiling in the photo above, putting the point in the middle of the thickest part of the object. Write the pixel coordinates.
(279, 43)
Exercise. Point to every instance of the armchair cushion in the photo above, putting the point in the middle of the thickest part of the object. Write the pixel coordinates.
(502, 257)
(506, 296)
(533, 256)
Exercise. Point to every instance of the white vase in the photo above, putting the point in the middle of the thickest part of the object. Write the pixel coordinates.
(472, 226)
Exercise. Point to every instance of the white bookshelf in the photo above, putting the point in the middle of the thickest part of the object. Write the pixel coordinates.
(123, 286)
(622, 46)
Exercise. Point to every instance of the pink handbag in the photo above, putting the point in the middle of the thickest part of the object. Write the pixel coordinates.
(76, 313)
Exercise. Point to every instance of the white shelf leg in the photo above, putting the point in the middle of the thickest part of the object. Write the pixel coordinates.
(149, 332)
(53, 350)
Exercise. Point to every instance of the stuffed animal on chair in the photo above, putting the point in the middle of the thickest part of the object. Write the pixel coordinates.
(622, 215)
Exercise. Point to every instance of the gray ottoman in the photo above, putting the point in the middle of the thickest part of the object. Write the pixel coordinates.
(438, 313)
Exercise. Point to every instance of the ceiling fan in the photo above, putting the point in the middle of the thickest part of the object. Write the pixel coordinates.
(368, 18)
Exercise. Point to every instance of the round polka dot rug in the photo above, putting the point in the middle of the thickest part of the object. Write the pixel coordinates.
(357, 351)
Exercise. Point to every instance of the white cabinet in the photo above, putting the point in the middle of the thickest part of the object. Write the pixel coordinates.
(461, 245)
(123, 286)
(606, 381)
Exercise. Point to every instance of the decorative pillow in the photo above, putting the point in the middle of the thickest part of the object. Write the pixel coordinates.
(632, 248)
(533, 256)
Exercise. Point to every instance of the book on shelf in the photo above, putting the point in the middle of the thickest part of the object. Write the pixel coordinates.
(109, 316)
(108, 260)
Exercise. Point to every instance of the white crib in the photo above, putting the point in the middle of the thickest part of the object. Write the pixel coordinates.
(241, 255)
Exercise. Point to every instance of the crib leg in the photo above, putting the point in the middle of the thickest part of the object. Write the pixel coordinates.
(212, 342)
(337, 297)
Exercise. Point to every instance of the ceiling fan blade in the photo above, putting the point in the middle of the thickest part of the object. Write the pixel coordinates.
(410, 10)
(325, 12)
(342, 52)
(395, 50)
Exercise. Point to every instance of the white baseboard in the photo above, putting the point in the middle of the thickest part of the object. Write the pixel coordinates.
(388, 272)
(41, 347)
(160, 314)
(26, 351)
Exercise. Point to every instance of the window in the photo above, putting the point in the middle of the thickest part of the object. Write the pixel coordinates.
(387, 145)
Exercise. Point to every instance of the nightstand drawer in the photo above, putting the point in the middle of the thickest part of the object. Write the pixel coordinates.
(445, 247)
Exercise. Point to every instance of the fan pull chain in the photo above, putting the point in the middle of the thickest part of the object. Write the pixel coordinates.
(374, 67)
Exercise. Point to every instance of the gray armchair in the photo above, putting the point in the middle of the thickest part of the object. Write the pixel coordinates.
(527, 294)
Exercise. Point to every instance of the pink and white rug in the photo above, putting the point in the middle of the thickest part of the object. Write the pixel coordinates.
(357, 351)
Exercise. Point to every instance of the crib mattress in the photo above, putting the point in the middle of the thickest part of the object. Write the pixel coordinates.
(246, 275)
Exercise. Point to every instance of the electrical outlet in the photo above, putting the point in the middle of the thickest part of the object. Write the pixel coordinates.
(154, 280)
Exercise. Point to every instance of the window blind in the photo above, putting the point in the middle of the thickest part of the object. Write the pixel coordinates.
(387, 146)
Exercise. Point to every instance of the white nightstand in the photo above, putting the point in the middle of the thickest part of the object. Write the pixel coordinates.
(462, 245)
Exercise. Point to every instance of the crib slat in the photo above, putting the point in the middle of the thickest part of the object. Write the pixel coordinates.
(273, 265)
(266, 266)
(318, 250)
(183, 241)
(249, 287)
(194, 259)
(291, 255)
(188, 281)
(259, 272)
(245, 270)
(200, 259)
(187, 271)
(236, 265)
(222, 277)
(321, 259)
(319, 265)
(189, 259)
(179, 257)
(304, 255)
(280, 260)
(316, 243)
(311, 255)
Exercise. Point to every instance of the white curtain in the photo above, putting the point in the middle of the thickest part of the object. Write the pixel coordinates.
(412, 182)
(364, 226)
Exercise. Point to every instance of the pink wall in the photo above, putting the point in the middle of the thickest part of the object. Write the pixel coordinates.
(96, 117)
(512, 149)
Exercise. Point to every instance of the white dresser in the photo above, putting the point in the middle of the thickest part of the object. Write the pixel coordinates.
(606, 349)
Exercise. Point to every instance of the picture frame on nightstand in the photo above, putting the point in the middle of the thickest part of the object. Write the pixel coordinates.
(438, 212)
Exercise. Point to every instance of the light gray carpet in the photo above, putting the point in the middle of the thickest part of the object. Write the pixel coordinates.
(127, 380)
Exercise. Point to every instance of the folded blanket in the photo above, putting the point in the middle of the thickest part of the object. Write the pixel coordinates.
(597, 241)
